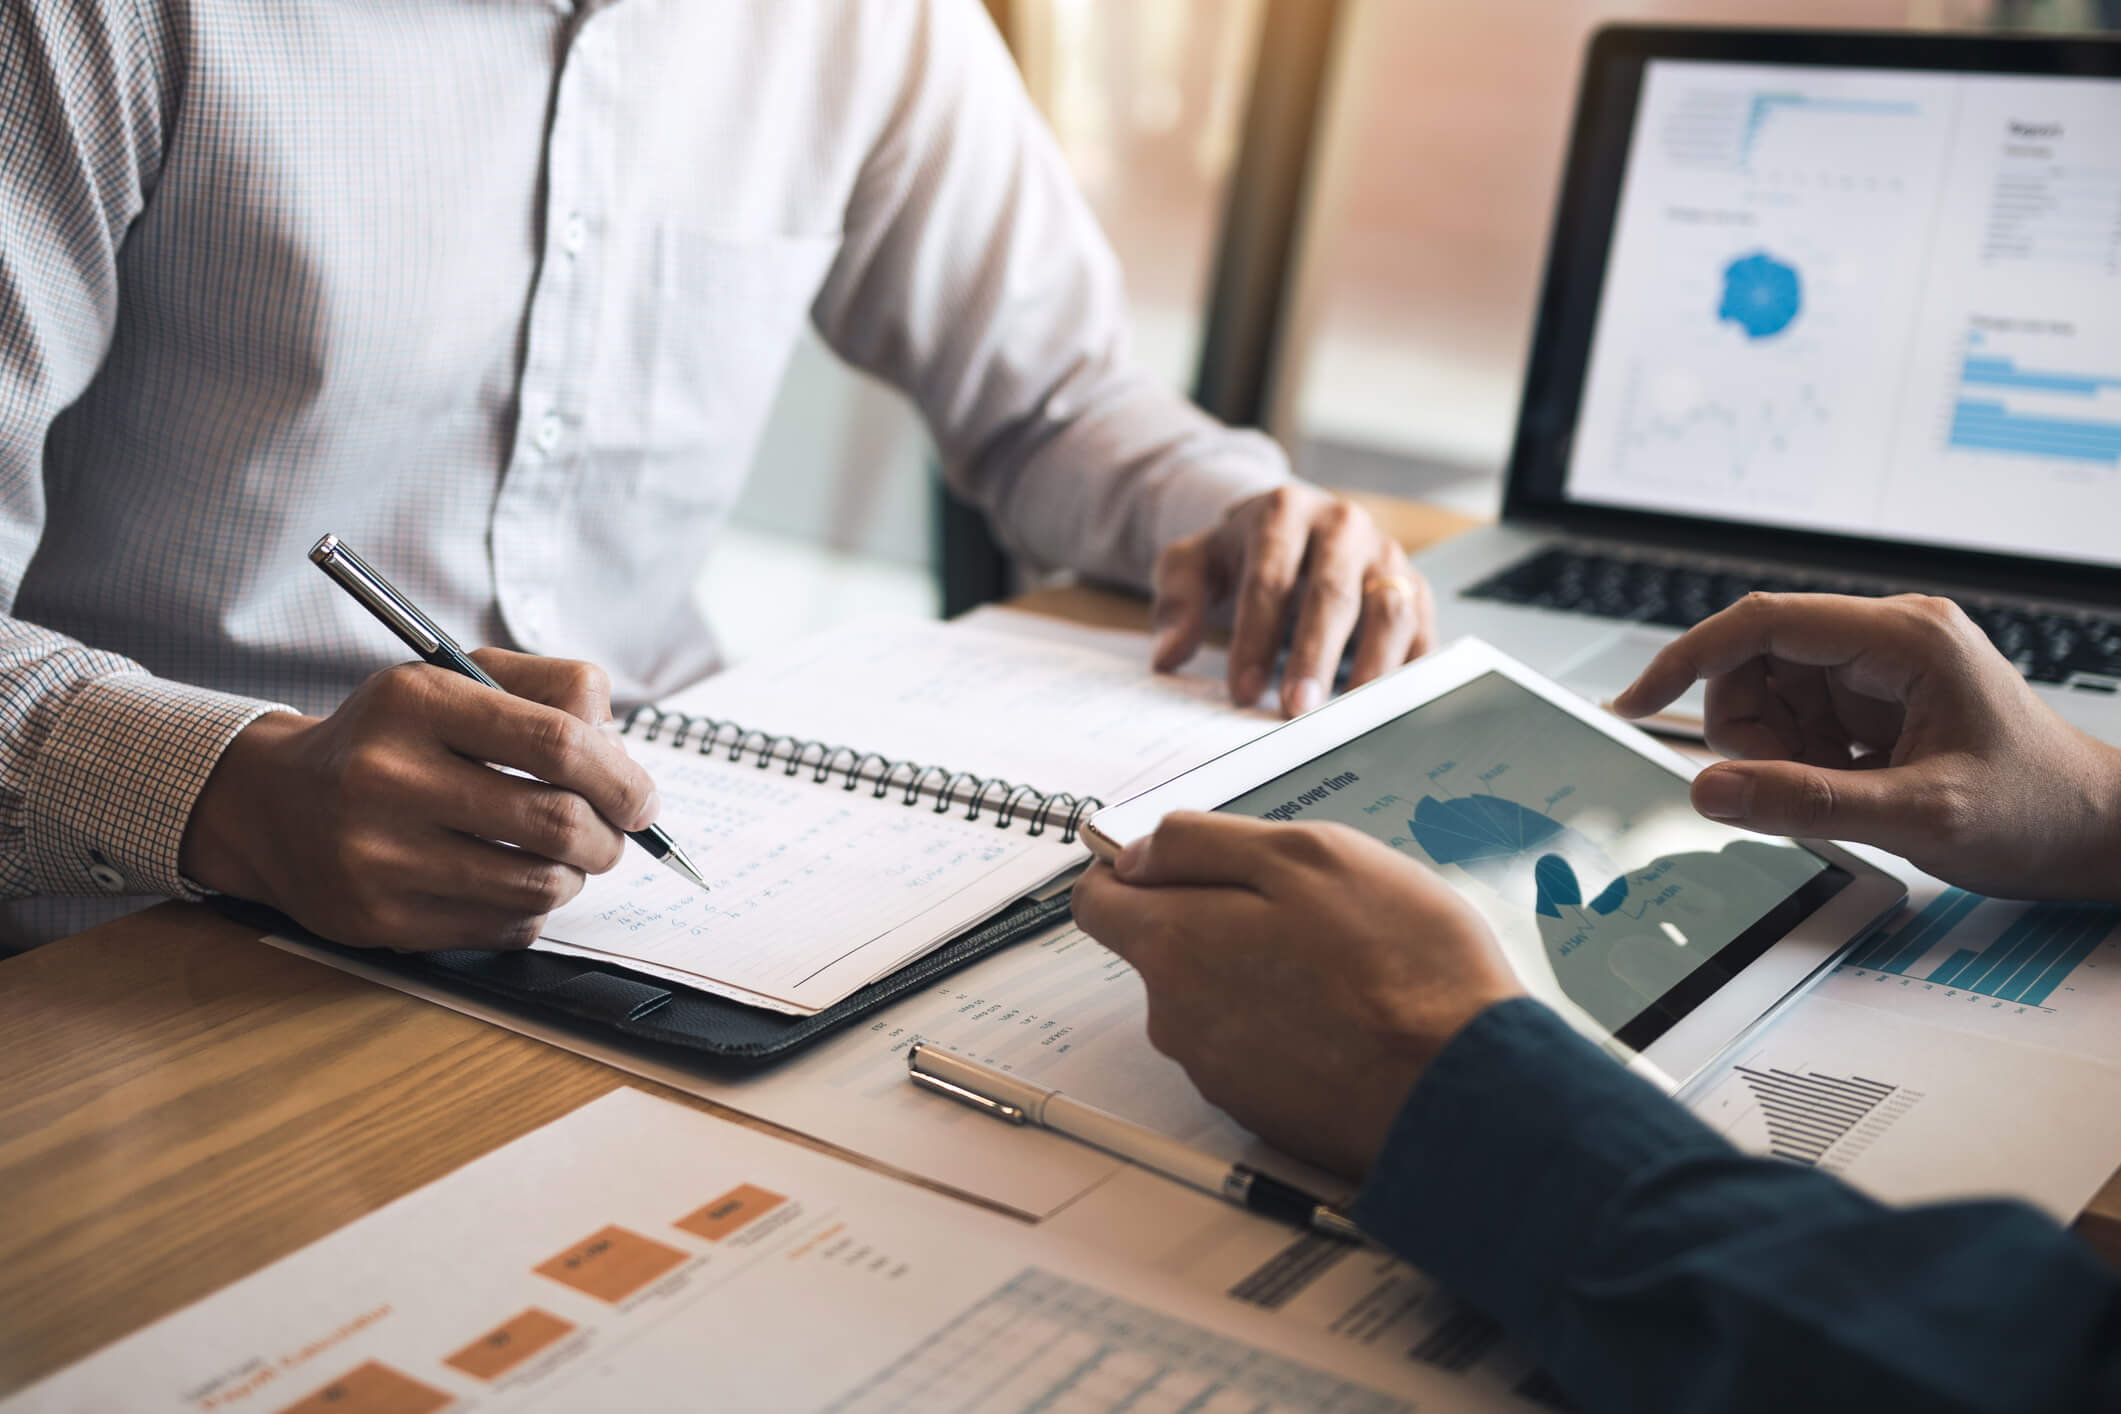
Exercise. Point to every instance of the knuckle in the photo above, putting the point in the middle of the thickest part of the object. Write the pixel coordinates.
(1813, 801)
(407, 685)
(1758, 603)
(542, 886)
(1336, 594)
(1950, 814)
(635, 788)
(1943, 613)
(588, 680)
(1283, 500)
(557, 820)
(1303, 846)
(1340, 517)
(554, 740)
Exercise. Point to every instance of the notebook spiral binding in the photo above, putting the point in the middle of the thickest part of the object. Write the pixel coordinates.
(1007, 801)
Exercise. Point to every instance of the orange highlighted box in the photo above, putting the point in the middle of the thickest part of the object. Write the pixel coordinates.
(739, 1206)
(503, 1348)
(372, 1389)
(612, 1265)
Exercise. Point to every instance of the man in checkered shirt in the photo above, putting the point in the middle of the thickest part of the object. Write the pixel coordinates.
(502, 291)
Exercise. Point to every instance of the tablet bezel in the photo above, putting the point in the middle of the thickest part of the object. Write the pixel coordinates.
(1753, 993)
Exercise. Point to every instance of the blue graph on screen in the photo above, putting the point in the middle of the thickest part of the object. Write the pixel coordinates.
(2072, 422)
(1766, 106)
(2025, 963)
(1761, 295)
(1490, 837)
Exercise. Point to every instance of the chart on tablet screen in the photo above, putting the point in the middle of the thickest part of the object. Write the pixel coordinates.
(1604, 886)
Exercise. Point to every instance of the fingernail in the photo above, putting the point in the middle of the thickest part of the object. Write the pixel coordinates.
(1724, 794)
(649, 811)
(1166, 645)
(1130, 860)
(1302, 695)
(1250, 684)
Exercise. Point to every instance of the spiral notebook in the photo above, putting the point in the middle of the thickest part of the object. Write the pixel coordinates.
(835, 864)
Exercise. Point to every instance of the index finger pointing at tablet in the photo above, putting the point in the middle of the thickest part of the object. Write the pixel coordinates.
(1817, 630)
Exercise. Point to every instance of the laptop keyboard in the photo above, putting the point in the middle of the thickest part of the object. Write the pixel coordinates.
(2048, 647)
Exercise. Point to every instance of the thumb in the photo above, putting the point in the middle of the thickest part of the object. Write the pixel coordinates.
(1819, 802)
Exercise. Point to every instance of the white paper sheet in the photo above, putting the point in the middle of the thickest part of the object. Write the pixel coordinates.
(998, 693)
(637, 1255)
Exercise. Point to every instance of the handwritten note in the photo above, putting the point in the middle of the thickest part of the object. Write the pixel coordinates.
(814, 890)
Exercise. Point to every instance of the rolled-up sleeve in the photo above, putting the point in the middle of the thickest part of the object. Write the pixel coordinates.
(972, 275)
(1653, 1267)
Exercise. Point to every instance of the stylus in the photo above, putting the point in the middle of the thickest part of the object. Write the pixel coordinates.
(1014, 1101)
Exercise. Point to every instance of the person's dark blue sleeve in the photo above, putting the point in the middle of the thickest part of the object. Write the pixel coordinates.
(1650, 1266)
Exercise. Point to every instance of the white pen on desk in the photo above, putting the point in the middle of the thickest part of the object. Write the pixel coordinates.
(1014, 1101)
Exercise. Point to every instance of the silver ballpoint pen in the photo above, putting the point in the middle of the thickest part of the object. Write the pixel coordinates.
(419, 633)
(1014, 1100)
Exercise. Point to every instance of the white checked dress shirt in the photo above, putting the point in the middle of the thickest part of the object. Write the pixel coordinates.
(501, 291)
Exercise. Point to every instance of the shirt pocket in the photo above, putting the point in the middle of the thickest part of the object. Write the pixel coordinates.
(728, 310)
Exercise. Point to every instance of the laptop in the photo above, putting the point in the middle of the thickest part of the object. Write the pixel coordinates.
(1823, 311)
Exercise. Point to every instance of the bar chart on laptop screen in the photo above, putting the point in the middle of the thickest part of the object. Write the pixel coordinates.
(2031, 391)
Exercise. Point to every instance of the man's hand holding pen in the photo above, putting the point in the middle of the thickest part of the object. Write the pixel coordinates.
(383, 825)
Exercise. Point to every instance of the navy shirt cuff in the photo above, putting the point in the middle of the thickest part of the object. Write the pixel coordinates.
(1517, 1138)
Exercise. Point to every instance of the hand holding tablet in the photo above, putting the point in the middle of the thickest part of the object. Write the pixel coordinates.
(1654, 931)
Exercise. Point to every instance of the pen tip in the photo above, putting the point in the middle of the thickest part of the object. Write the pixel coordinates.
(1335, 1223)
(677, 860)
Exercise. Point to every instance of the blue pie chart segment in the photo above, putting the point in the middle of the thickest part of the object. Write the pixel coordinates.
(1761, 295)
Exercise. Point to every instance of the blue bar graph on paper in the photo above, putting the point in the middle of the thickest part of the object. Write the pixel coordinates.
(1988, 424)
(2091, 931)
(2025, 963)
(2026, 935)
(1896, 951)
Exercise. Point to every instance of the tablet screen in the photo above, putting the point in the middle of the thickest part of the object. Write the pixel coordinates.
(1617, 903)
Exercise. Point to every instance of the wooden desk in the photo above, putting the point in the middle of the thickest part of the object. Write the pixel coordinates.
(181, 1104)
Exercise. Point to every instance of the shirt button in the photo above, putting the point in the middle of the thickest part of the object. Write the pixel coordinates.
(106, 878)
(574, 234)
(548, 433)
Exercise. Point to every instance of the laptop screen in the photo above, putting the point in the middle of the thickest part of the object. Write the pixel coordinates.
(1870, 302)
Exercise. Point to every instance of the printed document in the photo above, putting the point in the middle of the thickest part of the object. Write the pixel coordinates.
(641, 1256)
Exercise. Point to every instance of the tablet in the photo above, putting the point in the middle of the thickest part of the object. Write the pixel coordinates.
(1659, 934)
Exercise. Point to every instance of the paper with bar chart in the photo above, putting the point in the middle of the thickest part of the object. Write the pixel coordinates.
(641, 1256)
(1914, 1112)
(1961, 1016)
(2046, 974)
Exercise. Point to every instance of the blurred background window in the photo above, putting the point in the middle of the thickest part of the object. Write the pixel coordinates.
(1410, 303)
(1435, 179)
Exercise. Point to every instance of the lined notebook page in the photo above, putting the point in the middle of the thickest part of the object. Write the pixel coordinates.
(815, 891)
(1003, 693)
